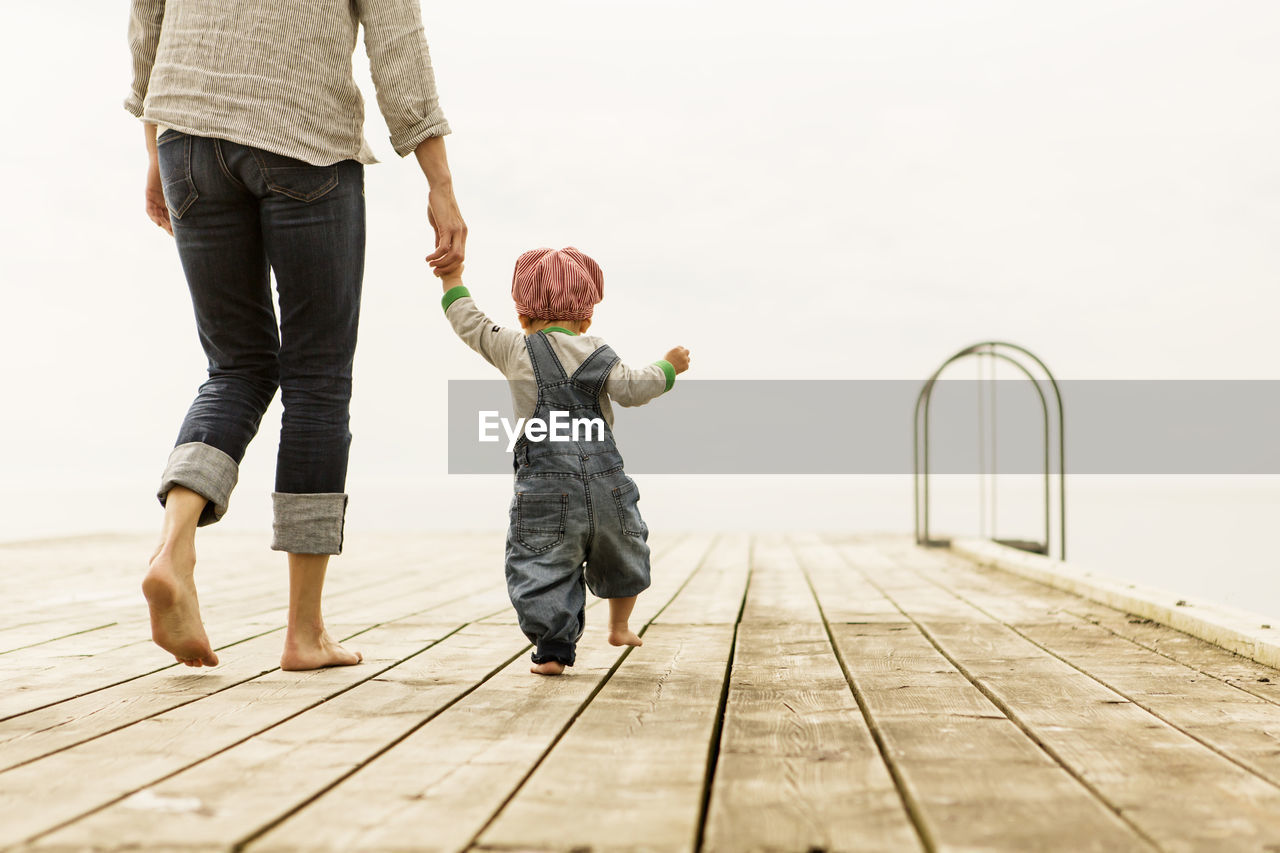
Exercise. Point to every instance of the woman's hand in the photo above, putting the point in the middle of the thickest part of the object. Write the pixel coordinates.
(451, 231)
(157, 210)
(442, 208)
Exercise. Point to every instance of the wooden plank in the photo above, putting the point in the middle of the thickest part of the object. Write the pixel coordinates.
(61, 678)
(976, 779)
(96, 773)
(845, 595)
(714, 594)
(1238, 630)
(58, 726)
(1237, 724)
(632, 766)
(456, 772)
(778, 592)
(236, 793)
(797, 767)
(973, 778)
(1125, 754)
(634, 763)
(237, 574)
(30, 736)
(1203, 657)
(95, 580)
(1240, 672)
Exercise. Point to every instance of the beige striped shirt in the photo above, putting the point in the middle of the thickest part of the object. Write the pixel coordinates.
(276, 74)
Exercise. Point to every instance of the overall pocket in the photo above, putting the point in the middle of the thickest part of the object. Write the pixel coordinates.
(540, 520)
(627, 498)
(296, 179)
(173, 151)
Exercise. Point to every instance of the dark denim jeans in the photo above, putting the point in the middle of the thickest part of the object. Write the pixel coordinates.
(239, 214)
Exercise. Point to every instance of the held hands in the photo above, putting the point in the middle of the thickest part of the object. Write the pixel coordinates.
(678, 357)
(451, 232)
(450, 279)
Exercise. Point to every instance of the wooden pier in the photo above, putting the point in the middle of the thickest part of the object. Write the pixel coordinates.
(794, 693)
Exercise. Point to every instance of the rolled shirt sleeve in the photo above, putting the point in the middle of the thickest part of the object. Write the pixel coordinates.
(400, 65)
(145, 18)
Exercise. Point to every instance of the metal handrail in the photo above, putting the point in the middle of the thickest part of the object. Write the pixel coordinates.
(920, 455)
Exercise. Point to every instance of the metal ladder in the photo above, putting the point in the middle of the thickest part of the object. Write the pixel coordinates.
(1021, 358)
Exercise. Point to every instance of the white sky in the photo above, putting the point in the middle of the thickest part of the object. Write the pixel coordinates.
(808, 189)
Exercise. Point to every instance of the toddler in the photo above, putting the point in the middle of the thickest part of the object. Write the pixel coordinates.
(575, 519)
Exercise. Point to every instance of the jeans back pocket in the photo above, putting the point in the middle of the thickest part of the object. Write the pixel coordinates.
(540, 519)
(173, 151)
(627, 499)
(294, 178)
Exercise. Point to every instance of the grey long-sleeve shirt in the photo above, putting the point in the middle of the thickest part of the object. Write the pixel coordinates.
(278, 75)
(504, 348)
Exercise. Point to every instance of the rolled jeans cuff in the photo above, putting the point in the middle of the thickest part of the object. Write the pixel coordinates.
(308, 523)
(557, 650)
(205, 470)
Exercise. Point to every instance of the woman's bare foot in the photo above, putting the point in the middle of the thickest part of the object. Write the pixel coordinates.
(170, 590)
(622, 635)
(307, 645)
(316, 652)
(551, 667)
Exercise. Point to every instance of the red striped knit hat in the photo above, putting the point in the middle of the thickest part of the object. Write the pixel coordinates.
(556, 284)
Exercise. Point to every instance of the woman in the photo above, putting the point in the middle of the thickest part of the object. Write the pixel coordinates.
(259, 169)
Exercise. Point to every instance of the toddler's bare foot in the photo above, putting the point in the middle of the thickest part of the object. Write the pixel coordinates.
(316, 652)
(170, 590)
(551, 667)
(622, 635)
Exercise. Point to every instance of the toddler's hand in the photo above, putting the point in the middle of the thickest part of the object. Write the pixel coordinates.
(678, 358)
(453, 278)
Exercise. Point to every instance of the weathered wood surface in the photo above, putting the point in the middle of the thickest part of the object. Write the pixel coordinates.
(794, 692)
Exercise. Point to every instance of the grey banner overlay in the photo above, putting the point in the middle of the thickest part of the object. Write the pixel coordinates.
(805, 427)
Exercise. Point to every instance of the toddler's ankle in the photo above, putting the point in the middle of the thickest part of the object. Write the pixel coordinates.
(620, 634)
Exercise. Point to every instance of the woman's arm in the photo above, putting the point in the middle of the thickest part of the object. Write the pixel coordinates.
(145, 19)
(400, 64)
(442, 208)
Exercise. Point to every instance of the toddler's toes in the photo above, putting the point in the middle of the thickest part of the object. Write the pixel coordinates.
(624, 637)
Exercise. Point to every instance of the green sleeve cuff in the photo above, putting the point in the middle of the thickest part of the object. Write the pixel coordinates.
(452, 295)
(668, 371)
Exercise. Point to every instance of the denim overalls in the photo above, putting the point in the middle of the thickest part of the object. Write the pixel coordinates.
(574, 515)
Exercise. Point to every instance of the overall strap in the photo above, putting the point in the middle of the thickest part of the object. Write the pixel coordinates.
(592, 373)
(546, 367)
